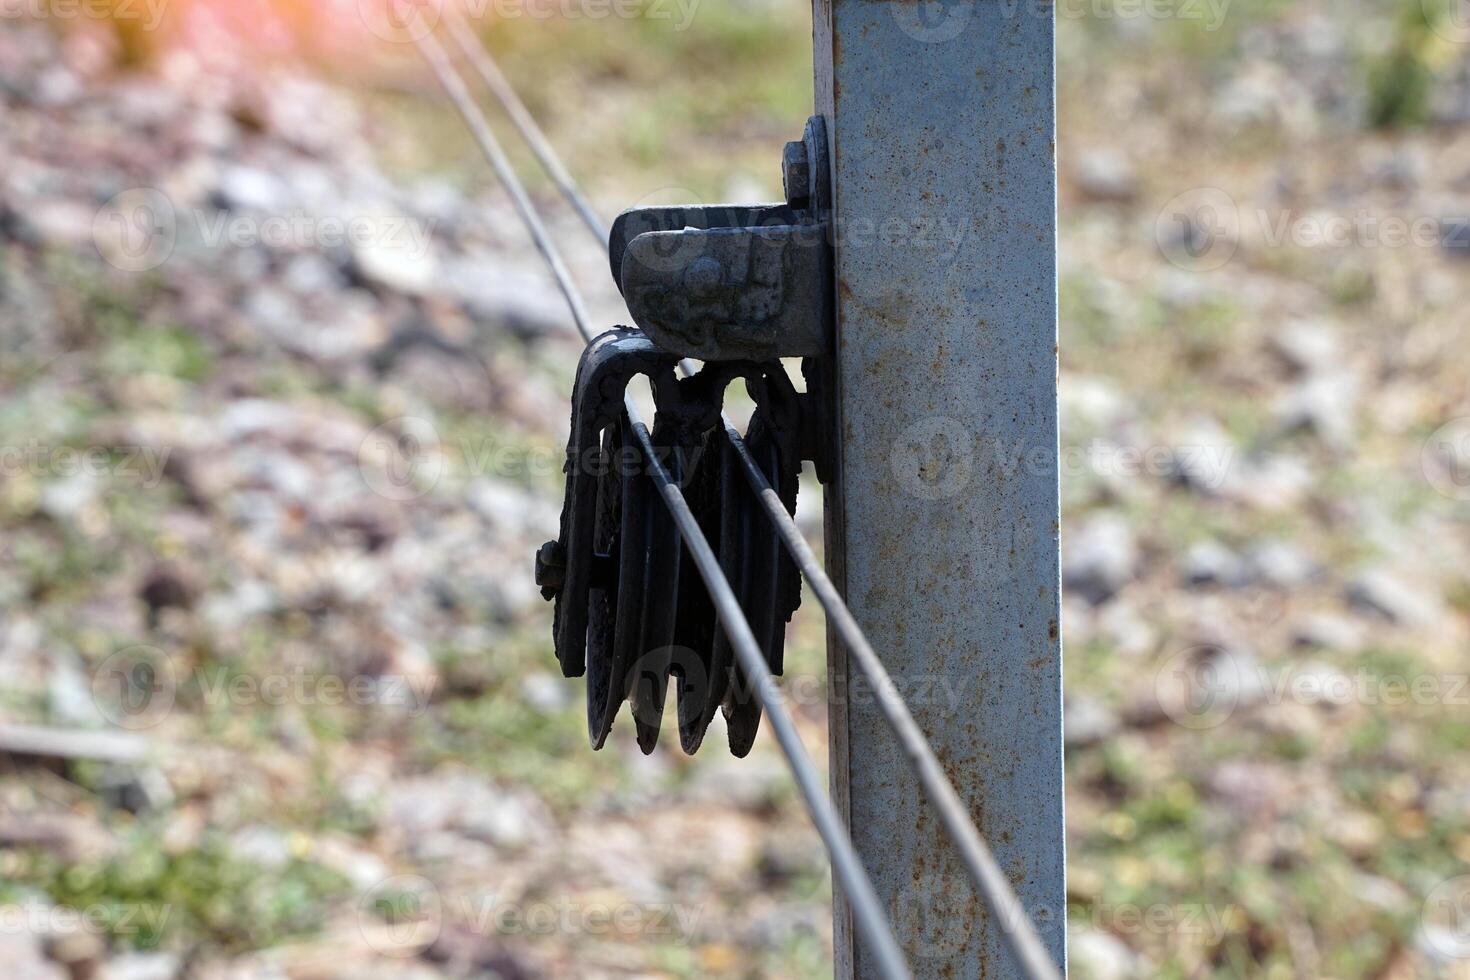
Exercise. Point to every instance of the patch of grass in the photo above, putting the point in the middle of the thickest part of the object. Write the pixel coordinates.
(167, 350)
(56, 563)
(498, 732)
(656, 101)
(1401, 80)
(1086, 318)
(147, 898)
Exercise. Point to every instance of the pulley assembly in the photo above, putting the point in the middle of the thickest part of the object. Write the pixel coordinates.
(738, 288)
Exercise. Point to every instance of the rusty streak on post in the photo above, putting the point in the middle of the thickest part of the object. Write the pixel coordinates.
(941, 118)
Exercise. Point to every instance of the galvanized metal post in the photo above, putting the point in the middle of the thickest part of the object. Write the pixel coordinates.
(943, 523)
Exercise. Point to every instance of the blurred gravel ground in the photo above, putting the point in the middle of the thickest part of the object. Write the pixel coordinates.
(285, 486)
(270, 500)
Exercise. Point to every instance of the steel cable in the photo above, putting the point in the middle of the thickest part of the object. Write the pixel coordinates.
(984, 872)
(867, 910)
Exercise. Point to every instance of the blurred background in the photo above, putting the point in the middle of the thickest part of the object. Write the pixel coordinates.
(279, 695)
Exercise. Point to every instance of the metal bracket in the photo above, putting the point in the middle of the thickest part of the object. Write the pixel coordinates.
(736, 282)
(738, 287)
(630, 611)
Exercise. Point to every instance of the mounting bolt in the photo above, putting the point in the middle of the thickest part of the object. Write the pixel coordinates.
(704, 275)
(796, 174)
(551, 569)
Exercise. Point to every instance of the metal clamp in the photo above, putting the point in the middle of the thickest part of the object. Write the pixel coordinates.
(738, 287)
(736, 282)
(630, 610)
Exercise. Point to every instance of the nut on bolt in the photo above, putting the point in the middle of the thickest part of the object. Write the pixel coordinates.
(551, 569)
(796, 174)
(704, 275)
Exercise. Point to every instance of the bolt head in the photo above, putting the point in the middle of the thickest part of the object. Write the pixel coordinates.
(796, 175)
(551, 569)
(703, 275)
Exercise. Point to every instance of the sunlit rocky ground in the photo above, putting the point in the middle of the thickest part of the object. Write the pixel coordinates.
(355, 757)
